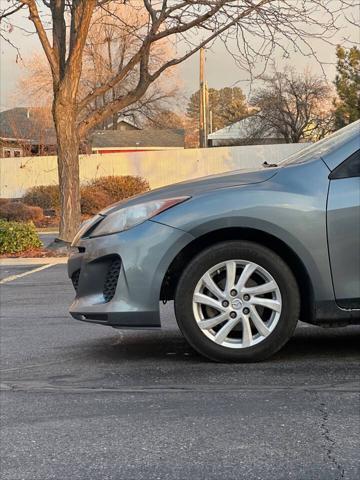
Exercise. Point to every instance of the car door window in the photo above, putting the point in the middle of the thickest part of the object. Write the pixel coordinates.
(348, 168)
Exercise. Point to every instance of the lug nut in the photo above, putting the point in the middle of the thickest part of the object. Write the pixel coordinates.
(233, 315)
(246, 297)
(246, 311)
(233, 293)
(225, 303)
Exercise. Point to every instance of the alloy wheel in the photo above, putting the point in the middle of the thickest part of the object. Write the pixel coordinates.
(237, 304)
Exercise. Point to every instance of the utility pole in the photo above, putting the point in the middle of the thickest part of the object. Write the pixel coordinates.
(207, 112)
(203, 117)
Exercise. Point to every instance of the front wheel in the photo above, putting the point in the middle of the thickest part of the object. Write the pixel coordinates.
(237, 301)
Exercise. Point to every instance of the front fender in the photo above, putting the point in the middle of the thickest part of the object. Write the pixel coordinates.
(291, 206)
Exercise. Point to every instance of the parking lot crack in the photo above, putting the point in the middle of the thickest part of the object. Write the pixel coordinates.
(329, 442)
(44, 385)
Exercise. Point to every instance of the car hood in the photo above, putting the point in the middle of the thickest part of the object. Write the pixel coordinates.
(198, 186)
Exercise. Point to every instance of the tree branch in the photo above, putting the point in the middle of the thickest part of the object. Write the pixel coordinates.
(110, 84)
(205, 42)
(59, 33)
(49, 52)
(10, 12)
(152, 37)
(81, 18)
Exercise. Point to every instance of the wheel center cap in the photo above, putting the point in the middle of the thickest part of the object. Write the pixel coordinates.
(236, 304)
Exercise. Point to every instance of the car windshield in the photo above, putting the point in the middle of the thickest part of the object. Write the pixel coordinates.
(325, 145)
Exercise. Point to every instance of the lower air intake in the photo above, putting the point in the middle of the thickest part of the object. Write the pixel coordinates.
(75, 280)
(111, 279)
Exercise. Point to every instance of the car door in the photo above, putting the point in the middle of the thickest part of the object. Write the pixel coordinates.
(343, 224)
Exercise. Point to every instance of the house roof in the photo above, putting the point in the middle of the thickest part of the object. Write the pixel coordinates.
(25, 124)
(138, 138)
(249, 127)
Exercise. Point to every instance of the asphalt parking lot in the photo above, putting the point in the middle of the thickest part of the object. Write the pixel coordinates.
(47, 238)
(82, 401)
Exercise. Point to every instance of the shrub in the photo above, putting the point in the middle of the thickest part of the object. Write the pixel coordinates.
(93, 200)
(17, 237)
(18, 211)
(120, 187)
(46, 197)
(96, 195)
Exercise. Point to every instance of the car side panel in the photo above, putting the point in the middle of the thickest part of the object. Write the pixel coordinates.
(291, 206)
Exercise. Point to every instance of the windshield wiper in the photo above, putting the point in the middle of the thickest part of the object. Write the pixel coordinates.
(269, 165)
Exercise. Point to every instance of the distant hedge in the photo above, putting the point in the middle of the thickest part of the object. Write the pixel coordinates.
(120, 187)
(19, 212)
(46, 197)
(16, 237)
(93, 200)
(95, 195)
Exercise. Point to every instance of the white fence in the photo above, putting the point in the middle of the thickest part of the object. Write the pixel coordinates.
(159, 168)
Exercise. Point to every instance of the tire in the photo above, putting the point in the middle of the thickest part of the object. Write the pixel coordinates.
(245, 338)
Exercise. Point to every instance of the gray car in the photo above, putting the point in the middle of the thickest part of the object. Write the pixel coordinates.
(244, 255)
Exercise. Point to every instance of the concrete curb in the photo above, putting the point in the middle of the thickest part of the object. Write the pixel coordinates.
(8, 262)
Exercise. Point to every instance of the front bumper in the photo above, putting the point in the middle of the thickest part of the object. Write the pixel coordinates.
(118, 277)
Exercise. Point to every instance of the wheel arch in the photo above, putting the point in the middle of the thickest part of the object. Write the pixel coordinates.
(182, 259)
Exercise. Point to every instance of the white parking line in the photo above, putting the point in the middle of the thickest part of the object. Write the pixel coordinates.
(20, 275)
(15, 262)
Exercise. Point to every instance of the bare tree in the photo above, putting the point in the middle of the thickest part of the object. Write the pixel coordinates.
(258, 27)
(294, 106)
(34, 87)
(110, 45)
(107, 47)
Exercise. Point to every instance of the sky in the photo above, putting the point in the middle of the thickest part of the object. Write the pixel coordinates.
(221, 70)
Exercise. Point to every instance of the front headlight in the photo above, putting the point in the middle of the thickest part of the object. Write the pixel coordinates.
(85, 227)
(129, 217)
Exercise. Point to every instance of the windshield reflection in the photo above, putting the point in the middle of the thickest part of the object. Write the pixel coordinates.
(324, 146)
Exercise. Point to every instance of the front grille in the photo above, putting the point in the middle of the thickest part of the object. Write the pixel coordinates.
(75, 279)
(111, 279)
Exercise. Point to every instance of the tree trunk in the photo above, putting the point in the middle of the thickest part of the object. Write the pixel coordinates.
(64, 114)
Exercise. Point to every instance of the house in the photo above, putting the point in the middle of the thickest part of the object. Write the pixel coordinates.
(248, 131)
(26, 131)
(136, 140)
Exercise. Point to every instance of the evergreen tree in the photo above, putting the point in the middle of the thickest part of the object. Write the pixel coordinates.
(347, 84)
(228, 105)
